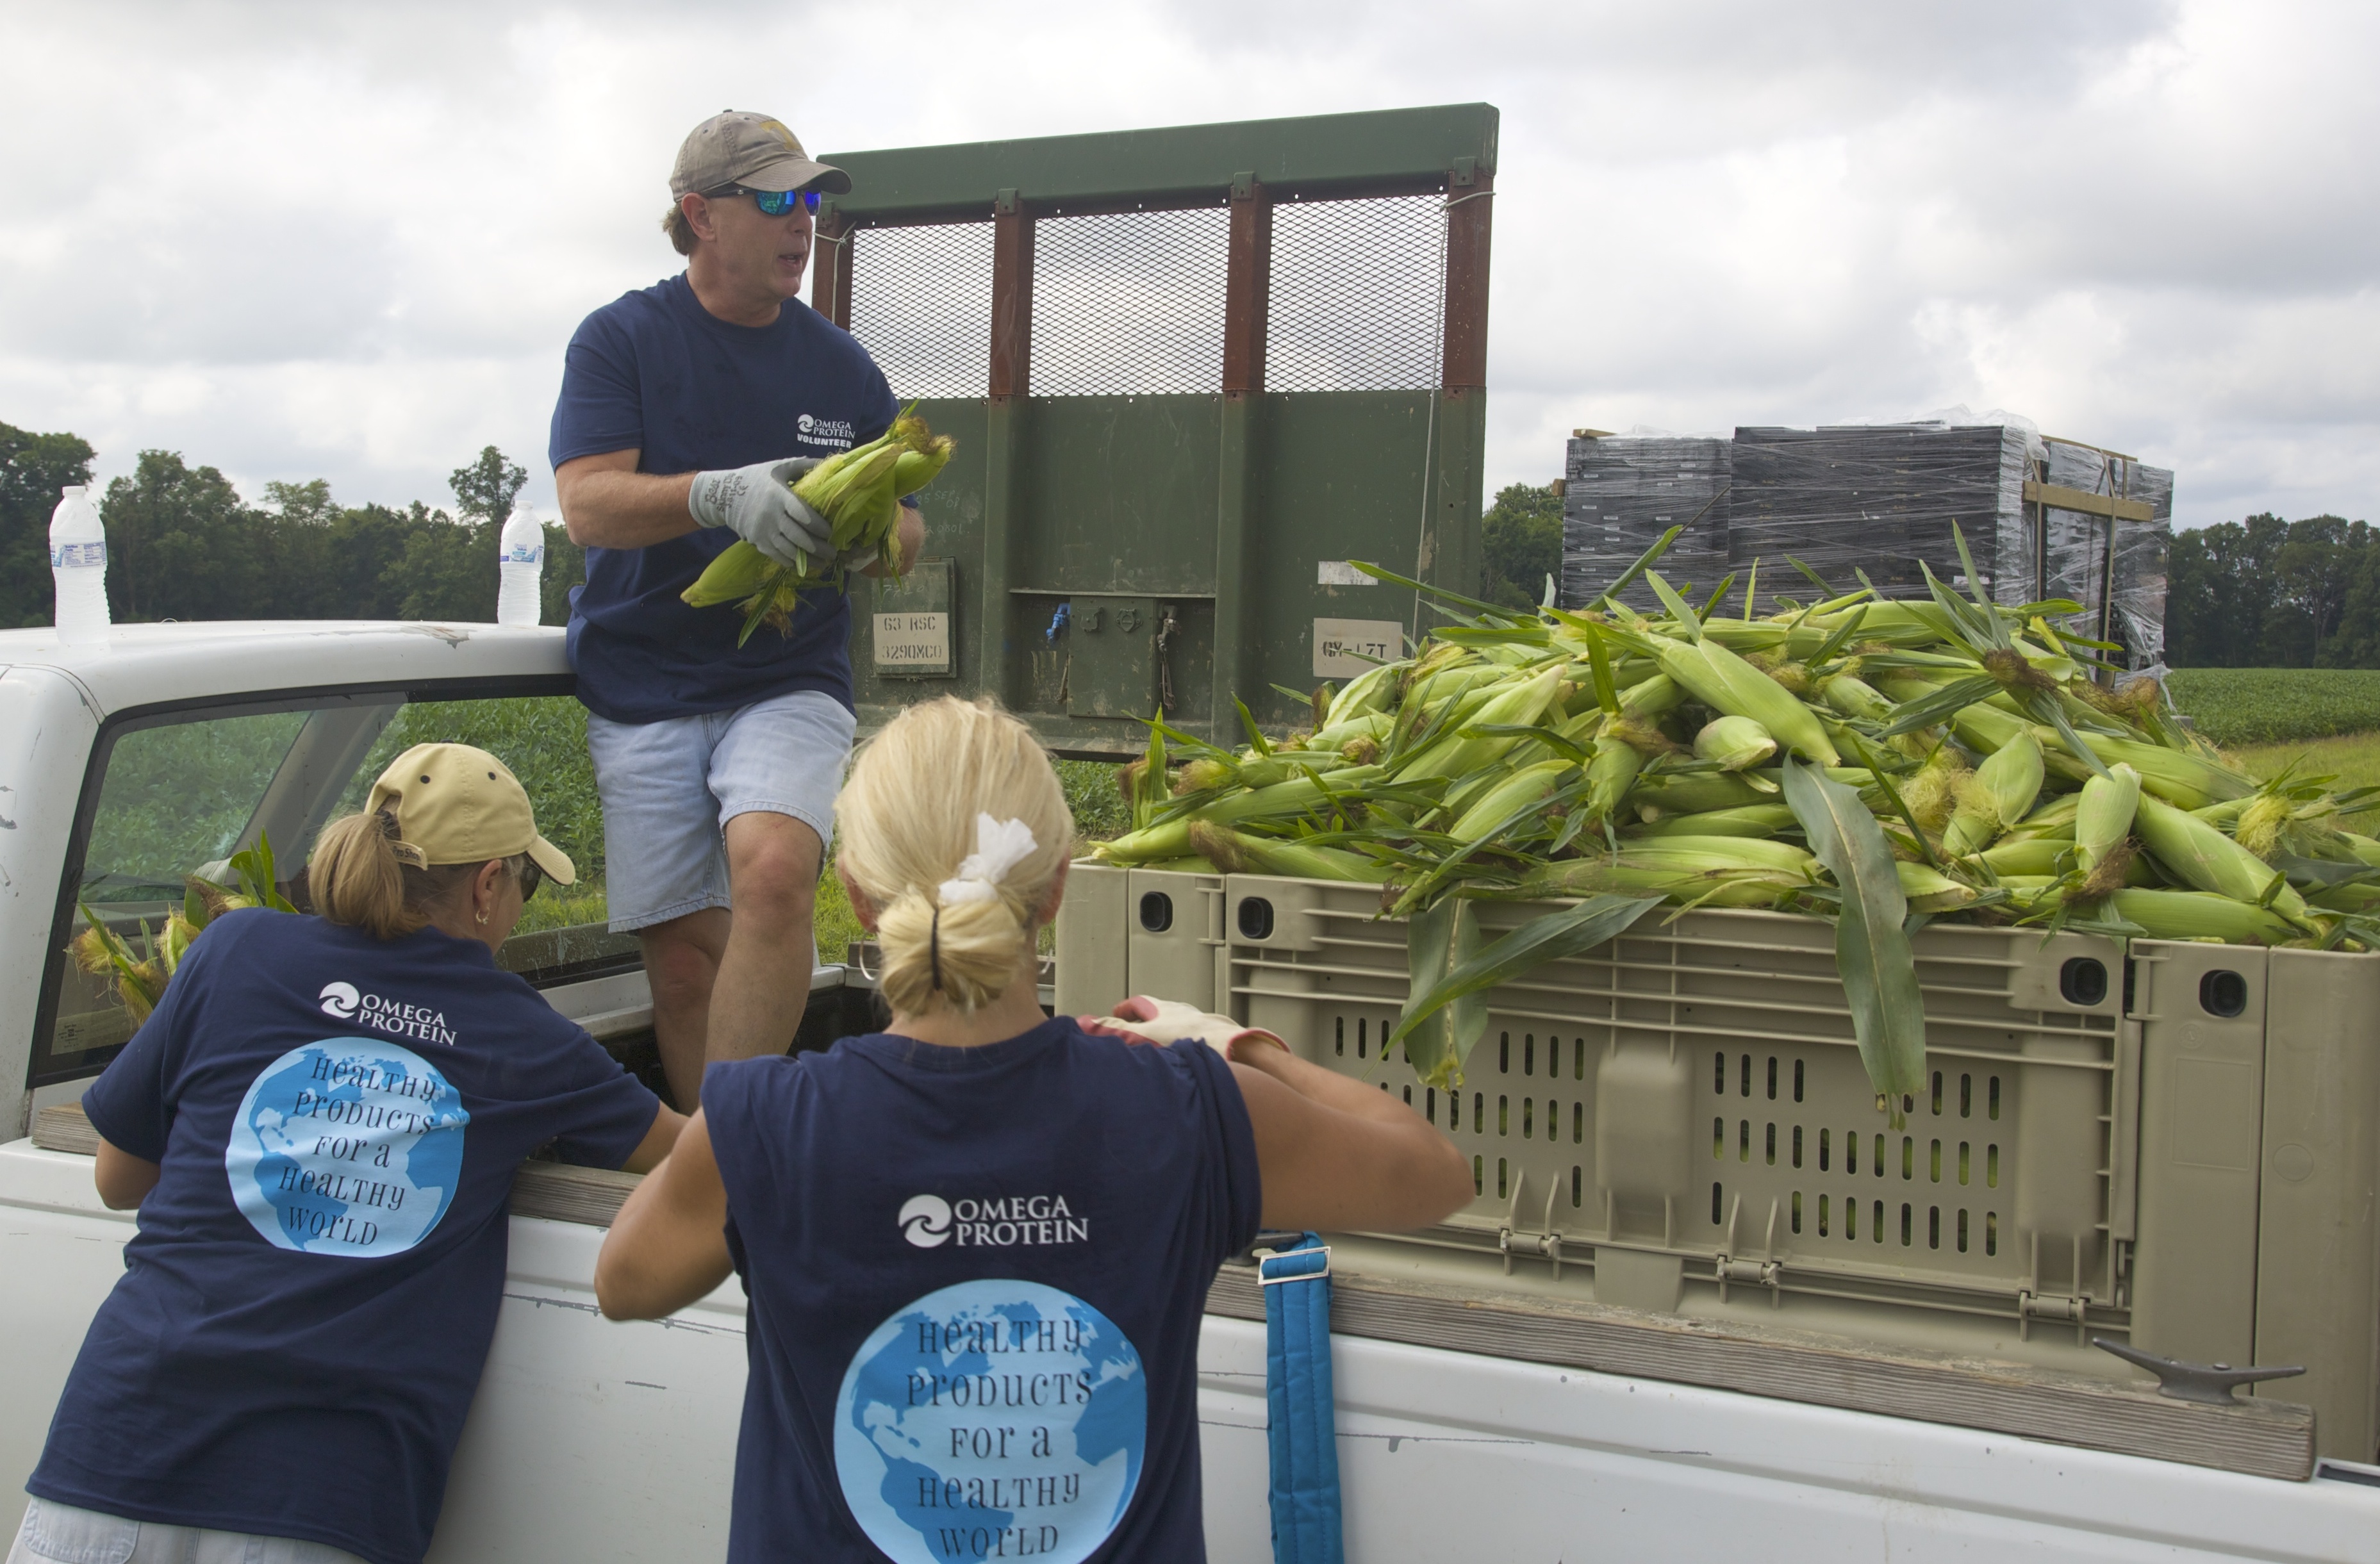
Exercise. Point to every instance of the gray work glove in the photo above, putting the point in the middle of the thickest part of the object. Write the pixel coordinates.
(759, 503)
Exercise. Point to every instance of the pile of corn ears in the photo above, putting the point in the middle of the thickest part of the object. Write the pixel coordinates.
(142, 973)
(859, 492)
(1882, 763)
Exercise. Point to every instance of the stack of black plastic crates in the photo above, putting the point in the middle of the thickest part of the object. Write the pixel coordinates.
(1621, 492)
(1888, 501)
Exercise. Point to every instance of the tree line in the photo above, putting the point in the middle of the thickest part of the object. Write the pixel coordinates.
(182, 544)
(2269, 593)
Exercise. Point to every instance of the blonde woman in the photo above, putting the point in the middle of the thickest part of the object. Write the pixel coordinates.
(319, 1126)
(977, 1245)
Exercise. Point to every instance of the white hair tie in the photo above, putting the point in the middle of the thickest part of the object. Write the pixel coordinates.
(1000, 845)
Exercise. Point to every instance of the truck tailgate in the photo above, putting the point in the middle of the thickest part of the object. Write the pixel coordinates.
(595, 1441)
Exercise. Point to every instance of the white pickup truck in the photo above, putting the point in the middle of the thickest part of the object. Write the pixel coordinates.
(1478, 1418)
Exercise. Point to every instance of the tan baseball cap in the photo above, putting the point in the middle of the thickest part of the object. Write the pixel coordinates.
(458, 805)
(737, 147)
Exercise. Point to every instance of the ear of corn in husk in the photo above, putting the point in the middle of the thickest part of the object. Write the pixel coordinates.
(1524, 789)
(1733, 743)
(1952, 754)
(1232, 852)
(2104, 817)
(858, 493)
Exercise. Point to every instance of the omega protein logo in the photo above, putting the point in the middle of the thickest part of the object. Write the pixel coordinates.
(835, 432)
(1004, 1222)
(344, 1001)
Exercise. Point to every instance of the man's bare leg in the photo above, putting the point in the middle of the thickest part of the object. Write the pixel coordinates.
(682, 964)
(764, 975)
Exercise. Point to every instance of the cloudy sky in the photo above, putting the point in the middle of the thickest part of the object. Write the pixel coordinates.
(300, 240)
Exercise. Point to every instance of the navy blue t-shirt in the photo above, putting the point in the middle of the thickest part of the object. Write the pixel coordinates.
(306, 1309)
(975, 1280)
(655, 372)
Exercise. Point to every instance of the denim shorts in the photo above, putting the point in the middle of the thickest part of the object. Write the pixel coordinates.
(669, 788)
(59, 1533)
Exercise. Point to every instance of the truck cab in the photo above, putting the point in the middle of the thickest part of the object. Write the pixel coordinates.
(1477, 1415)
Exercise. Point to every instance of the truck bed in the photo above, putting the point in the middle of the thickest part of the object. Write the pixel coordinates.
(591, 1440)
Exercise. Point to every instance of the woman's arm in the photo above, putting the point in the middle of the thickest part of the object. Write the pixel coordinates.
(668, 1247)
(1336, 1153)
(668, 1124)
(122, 1179)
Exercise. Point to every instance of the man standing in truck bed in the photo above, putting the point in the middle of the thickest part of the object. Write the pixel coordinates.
(688, 410)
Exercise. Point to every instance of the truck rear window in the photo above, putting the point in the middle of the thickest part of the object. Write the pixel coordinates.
(178, 796)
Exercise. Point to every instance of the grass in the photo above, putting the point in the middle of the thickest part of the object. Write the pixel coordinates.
(2353, 758)
(1091, 793)
(2259, 707)
(1099, 812)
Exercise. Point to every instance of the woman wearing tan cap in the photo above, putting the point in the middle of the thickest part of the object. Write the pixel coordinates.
(319, 1125)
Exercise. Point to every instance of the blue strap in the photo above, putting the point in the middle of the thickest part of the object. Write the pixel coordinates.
(1304, 1431)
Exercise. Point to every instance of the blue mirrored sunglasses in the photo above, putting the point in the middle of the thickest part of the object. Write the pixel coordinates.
(773, 203)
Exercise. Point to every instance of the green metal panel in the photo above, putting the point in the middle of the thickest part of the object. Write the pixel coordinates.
(1310, 156)
(1123, 492)
(1197, 544)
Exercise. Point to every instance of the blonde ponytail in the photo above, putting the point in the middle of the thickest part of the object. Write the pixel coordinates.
(363, 876)
(908, 822)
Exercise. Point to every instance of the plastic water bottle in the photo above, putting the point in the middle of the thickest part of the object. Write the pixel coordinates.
(520, 569)
(78, 568)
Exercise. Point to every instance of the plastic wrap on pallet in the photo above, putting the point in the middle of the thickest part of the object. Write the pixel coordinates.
(2073, 543)
(2140, 552)
(1884, 498)
(2076, 549)
(1620, 492)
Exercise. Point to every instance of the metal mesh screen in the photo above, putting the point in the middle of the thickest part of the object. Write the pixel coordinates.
(921, 305)
(1130, 303)
(1356, 296)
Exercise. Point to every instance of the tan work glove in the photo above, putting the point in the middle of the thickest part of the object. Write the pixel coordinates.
(1147, 1020)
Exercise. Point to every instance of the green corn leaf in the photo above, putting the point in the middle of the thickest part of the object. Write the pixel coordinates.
(1873, 761)
(1493, 611)
(1841, 638)
(1499, 636)
(255, 869)
(1151, 796)
(1599, 661)
(1928, 711)
(1975, 577)
(1645, 560)
(1816, 579)
(1719, 596)
(1256, 736)
(1446, 975)
(1677, 606)
(1424, 889)
(2324, 872)
(1439, 940)
(1872, 952)
(1568, 748)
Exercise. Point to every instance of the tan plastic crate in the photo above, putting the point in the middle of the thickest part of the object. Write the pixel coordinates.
(1686, 1108)
(2191, 1158)
(1138, 931)
(2259, 1171)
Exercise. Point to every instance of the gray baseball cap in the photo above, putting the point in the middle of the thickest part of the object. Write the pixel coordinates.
(736, 147)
